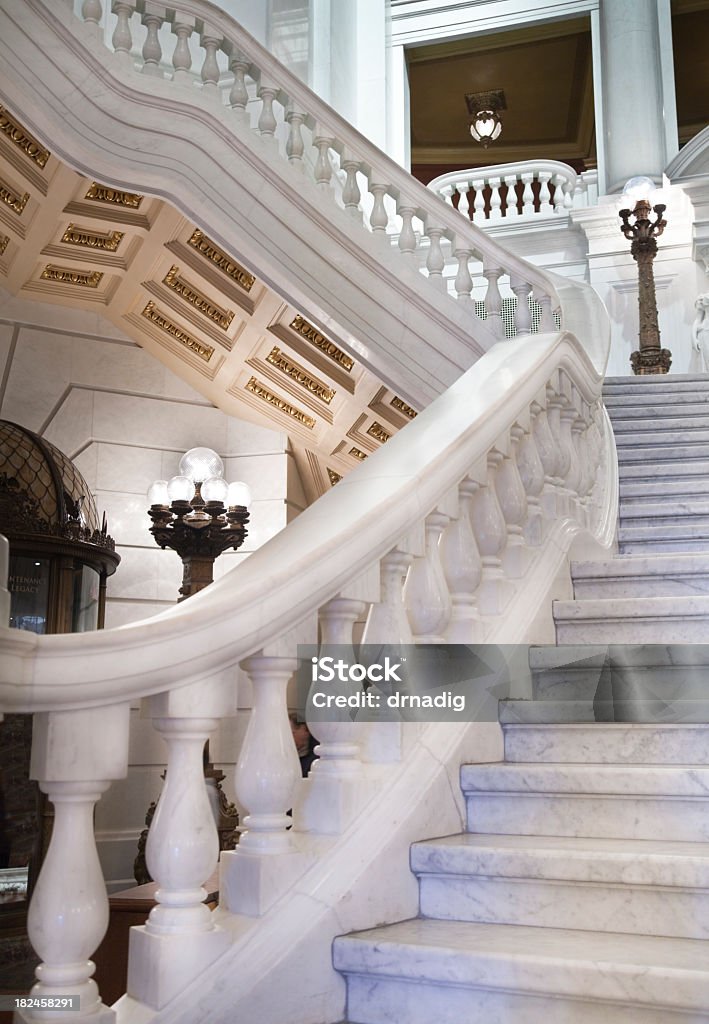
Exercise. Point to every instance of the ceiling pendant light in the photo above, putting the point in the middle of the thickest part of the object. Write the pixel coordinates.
(484, 110)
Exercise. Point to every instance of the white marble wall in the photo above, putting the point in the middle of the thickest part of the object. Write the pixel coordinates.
(125, 420)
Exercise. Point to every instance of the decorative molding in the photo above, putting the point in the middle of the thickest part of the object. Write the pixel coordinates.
(398, 403)
(190, 293)
(155, 316)
(106, 241)
(115, 196)
(301, 325)
(300, 375)
(257, 388)
(13, 199)
(68, 275)
(14, 131)
(377, 431)
(358, 454)
(334, 477)
(204, 245)
(4, 242)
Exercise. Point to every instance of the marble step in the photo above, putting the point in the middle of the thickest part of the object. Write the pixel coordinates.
(663, 491)
(651, 575)
(682, 535)
(690, 405)
(692, 511)
(656, 383)
(605, 885)
(460, 972)
(646, 471)
(565, 711)
(660, 454)
(607, 743)
(597, 801)
(633, 620)
(656, 436)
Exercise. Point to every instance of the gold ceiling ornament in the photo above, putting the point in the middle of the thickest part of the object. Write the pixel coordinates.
(106, 241)
(300, 375)
(14, 131)
(13, 199)
(313, 335)
(334, 477)
(360, 455)
(398, 403)
(261, 391)
(68, 275)
(157, 317)
(115, 196)
(4, 242)
(204, 245)
(190, 293)
(377, 430)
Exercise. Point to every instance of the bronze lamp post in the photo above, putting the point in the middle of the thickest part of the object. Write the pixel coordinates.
(650, 357)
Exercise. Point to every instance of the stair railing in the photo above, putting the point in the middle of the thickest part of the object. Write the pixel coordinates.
(479, 497)
(517, 192)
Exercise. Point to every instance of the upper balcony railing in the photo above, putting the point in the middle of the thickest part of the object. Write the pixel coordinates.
(517, 192)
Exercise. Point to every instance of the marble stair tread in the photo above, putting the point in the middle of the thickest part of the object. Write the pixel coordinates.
(682, 529)
(654, 433)
(692, 507)
(654, 382)
(636, 780)
(685, 471)
(650, 970)
(559, 710)
(664, 491)
(621, 410)
(607, 743)
(641, 565)
(659, 455)
(633, 620)
(643, 862)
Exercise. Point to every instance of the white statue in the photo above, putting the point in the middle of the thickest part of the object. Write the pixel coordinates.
(700, 328)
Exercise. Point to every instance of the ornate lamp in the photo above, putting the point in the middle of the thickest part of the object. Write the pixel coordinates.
(650, 357)
(484, 110)
(199, 515)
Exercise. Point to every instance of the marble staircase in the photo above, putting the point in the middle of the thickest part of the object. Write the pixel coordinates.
(579, 892)
(656, 590)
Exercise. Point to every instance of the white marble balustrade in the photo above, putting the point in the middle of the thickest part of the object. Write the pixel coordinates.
(513, 193)
(175, 42)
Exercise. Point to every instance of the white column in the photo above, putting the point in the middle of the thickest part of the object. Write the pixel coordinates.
(635, 89)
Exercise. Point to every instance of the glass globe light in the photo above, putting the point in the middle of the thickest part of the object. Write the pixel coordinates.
(200, 463)
(215, 488)
(180, 488)
(639, 187)
(239, 494)
(157, 493)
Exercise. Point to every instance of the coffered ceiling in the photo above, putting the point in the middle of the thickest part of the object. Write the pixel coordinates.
(137, 261)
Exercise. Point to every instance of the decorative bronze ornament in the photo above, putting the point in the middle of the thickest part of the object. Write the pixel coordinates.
(116, 196)
(14, 131)
(13, 199)
(67, 275)
(313, 335)
(334, 477)
(89, 239)
(300, 375)
(191, 294)
(199, 241)
(357, 454)
(377, 431)
(399, 404)
(261, 391)
(644, 232)
(4, 242)
(157, 317)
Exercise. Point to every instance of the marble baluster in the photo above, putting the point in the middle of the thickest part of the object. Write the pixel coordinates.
(211, 40)
(153, 18)
(462, 568)
(267, 122)
(531, 472)
(546, 322)
(544, 193)
(295, 146)
(548, 453)
(183, 27)
(463, 279)
(239, 94)
(122, 39)
(495, 200)
(513, 502)
(435, 261)
(426, 596)
(323, 165)
(479, 201)
(351, 194)
(75, 756)
(387, 622)
(92, 13)
(463, 203)
(407, 235)
(490, 532)
(379, 217)
(523, 316)
(493, 301)
(527, 194)
(559, 194)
